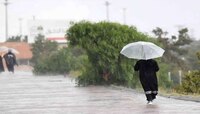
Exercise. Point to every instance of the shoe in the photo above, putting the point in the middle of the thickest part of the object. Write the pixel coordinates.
(149, 102)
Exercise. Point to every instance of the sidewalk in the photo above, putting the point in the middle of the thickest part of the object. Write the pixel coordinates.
(23, 93)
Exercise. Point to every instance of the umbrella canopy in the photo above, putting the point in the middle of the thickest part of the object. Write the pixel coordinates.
(13, 50)
(142, 50)
(5, 49)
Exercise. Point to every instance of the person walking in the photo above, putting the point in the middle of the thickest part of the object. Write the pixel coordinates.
(10, 59)
(147, 75)
(1, 64)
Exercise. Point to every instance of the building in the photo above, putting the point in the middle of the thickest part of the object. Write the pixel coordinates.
(53, 30)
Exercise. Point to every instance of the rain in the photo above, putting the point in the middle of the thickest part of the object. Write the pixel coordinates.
(71, 56)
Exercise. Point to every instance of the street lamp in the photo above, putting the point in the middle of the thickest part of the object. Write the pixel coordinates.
(6, 19)
(124, 15)
(20, 26)
(107, 10)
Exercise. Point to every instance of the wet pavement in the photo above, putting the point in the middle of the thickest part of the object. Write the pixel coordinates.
(23, 93)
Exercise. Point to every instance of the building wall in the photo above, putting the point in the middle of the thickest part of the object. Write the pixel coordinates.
(51, 29)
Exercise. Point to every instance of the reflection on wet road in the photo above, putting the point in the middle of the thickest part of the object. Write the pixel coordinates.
(23, 93)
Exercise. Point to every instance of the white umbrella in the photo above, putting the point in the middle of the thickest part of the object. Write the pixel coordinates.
(13, 50)
(6, 49)
(3, 49)
(142, 50)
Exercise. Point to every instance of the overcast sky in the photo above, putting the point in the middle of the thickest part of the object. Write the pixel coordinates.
(146, 15)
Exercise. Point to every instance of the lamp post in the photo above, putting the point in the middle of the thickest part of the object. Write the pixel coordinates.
(20, 26)
(6, 19)
(107, 10)
(124, 15)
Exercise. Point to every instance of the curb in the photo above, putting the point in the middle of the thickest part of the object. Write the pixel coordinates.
(185, 98)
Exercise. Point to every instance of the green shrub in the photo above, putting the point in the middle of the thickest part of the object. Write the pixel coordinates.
(60, 62)
(191, 82)
(102, 43)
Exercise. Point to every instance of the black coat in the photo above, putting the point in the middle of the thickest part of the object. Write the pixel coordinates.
(1, 64)
(10, 59)
(147, 73)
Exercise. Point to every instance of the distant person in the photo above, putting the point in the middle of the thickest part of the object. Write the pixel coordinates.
(147, 74)
(1, 64)
(10, 59)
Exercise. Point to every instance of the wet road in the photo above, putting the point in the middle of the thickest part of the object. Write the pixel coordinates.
(23, 93)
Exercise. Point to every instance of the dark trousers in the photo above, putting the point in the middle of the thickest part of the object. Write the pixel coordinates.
(10, 68)
(150, 89)
(151, 96)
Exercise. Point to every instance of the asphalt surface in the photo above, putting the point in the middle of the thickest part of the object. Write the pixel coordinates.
(23, 93)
